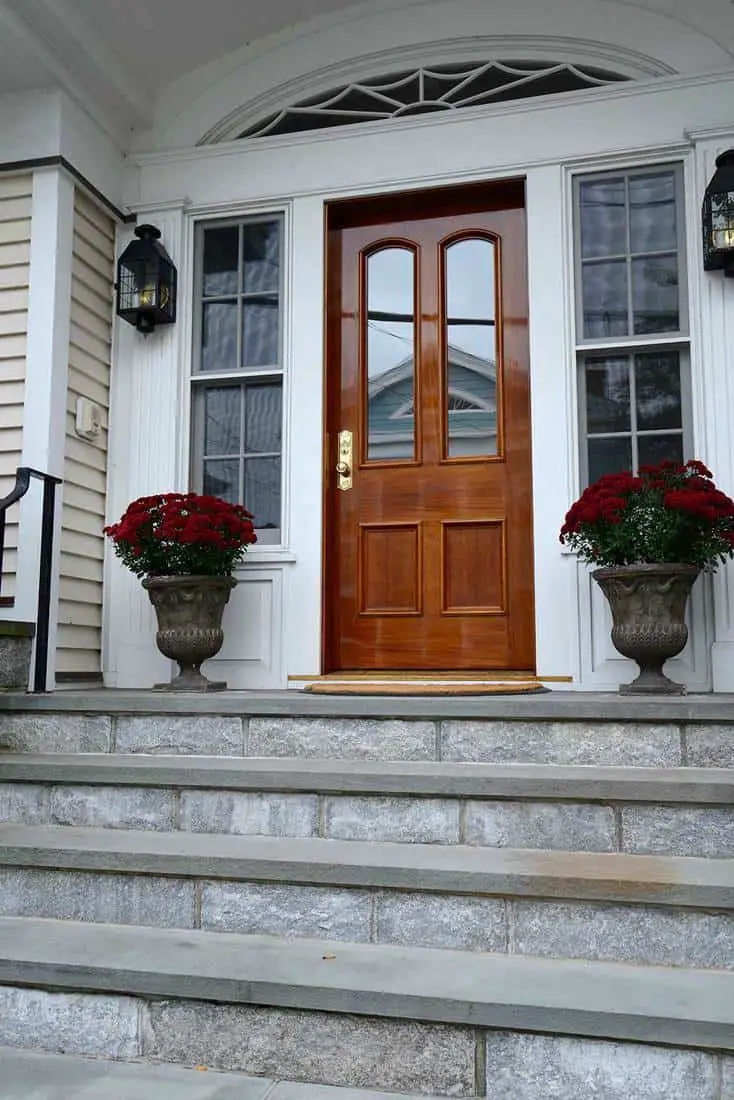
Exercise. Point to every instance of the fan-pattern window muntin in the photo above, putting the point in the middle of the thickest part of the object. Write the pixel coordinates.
(632, 334)
(431, 89)
(238, 367)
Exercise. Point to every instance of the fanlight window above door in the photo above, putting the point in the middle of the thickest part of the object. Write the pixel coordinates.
(427, 90)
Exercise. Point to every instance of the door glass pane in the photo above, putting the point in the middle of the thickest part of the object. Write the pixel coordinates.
(221, 260)
(603, 218)
(607, 395)
(222, 409)
(609, 456)
(222, 479)
(471, 348)
(219, 336)
(263, 418)
(652, 213)
(260, 332)
(605, 299)
(657, 383)
(653, 449)
(390, 350)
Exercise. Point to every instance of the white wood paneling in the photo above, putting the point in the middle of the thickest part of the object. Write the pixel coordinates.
(16, 193)
(79, 638)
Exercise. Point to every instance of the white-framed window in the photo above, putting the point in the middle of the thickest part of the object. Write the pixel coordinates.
(237, 377)
(632, 329)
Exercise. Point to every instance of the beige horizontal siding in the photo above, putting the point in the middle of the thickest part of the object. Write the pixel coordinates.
(16, 194)
(85, 465)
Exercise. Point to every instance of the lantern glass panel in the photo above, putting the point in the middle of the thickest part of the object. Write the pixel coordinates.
(722, 220)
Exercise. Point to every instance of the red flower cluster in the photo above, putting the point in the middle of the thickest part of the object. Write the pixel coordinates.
(182, 534)
(668, 513)
(604, 501)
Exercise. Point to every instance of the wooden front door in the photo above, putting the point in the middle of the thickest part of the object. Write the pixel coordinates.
(429, 561)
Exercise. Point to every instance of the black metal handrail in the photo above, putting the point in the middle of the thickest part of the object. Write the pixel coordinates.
(23, 477)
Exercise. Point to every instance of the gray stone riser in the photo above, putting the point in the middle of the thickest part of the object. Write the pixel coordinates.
(578, 736)
(373, 1017)
(644, 826)
(651, 911)
(345, 1051)
(547, 928)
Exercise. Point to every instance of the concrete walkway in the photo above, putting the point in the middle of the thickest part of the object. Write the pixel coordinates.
(31, 1076)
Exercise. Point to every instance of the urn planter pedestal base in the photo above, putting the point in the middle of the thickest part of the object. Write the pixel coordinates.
(648, 605)
(189, 611)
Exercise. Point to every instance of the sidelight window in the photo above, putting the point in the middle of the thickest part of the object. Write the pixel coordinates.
(238, 369)
(632, 319)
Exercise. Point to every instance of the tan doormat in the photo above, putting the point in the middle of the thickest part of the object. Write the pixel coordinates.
(324, 687)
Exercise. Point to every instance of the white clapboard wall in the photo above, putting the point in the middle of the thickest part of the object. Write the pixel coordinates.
(15, 243)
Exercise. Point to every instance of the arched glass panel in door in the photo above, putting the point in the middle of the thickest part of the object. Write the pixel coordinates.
(390, 343)
(470, 348)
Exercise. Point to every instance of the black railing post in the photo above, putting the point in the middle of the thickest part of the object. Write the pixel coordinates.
(23, 477)
(2, 541)
(45, 577)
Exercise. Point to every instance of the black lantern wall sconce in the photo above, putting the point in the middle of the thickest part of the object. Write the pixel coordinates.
(146, 282)
(718, 217)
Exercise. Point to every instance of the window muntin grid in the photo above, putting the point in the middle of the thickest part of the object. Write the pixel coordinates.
(238, 367)
(634, 385)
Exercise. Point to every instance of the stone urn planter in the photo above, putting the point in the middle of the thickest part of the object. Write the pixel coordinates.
(185, 548)
(648, 605)
(189, 610)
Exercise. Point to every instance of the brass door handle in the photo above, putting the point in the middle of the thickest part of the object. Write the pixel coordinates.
(344, 465)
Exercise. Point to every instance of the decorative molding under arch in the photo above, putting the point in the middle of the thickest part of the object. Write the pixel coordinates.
(621, 65)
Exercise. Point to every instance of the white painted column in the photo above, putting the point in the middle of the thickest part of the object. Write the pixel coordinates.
(553, 419)
(148, 416)
(304, 441)
(47, 356)
(713, 367)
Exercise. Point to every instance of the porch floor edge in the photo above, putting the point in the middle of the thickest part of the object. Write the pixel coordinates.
(550, 706)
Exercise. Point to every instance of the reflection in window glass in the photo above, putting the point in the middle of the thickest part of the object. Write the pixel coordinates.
(608, 395)
(237, 446)
(221, 261)
(631, 295)
(634, 413)
(609, 456)
(653, 225)
(603, 218)
(628, 247)
(657, 388)
(471, 348)
(390, 347)
(655, 294)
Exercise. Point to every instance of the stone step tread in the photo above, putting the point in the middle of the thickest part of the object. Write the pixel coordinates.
(41, 1076)
(709, 786)
(613, 1000)
(556, 705)
(431, 868)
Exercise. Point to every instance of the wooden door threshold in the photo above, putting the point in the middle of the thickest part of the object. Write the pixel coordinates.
(422, 677)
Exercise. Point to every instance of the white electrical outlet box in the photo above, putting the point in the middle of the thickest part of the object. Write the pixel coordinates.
(89, 418)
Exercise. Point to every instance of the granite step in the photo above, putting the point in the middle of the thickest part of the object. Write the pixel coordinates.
(648, 910)
(30, 1075)
(667, 811)
(557, 728)
(374, 1016)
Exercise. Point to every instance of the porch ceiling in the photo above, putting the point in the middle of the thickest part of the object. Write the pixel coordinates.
(116, 56)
